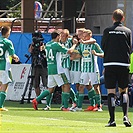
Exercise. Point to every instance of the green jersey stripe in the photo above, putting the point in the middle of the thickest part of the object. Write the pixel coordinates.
(65, 57)
(76, 64)
(88, 59)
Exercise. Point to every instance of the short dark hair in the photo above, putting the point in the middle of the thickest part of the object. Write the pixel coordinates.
(4, 30)
(54, 34)
(75, 36)
(118, 15)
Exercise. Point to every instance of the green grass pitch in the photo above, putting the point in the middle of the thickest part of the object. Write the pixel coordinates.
(22, 118)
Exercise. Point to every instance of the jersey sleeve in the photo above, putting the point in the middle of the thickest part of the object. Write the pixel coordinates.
(10, 47)
(97, 48)
(104, 39)
(60, 48)
(70, 42)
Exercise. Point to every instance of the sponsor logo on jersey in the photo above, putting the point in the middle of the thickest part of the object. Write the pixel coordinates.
(86, 53)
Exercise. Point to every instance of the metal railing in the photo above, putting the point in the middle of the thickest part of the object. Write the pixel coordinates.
(10, 10)
(47, 22)
(46, 12)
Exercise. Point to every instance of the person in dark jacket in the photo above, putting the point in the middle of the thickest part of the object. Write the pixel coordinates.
(117, 46)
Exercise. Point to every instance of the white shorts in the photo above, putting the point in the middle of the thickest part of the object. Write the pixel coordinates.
(5, 77)
(57, 80)
(86, 78)
(75, 77)
(67, 73)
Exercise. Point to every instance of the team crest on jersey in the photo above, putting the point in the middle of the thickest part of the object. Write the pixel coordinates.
(86, 53)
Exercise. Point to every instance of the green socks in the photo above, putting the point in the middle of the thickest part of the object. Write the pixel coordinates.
(91, 96)
(73, 96)
(49, 99)
(77, 96)
(2, 98)
(98, 99)
(42, 95)
(66, 97)
(80, 100)
(62, 99)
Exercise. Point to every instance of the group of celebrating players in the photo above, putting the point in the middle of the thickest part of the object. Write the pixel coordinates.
(72, 60)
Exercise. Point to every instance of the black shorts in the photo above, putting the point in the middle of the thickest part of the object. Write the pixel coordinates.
(116, 76)
(40, 74)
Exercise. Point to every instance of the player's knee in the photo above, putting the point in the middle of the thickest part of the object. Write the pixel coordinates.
(81, 88)
(66, 87)
(51, 90)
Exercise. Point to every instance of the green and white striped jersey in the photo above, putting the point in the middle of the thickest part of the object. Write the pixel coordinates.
(89, 61)
(6, 49)
(66, 57)
(76, 64)
(53, 52)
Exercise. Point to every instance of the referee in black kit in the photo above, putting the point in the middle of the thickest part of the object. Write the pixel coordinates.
(117, 45)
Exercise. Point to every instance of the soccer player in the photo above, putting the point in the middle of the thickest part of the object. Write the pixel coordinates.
(89, 69)
(56, 74)
(80, 32)
(66, 64)
(75, 69)
(97, 96)
(6, 50)
(65, 61)
(117, 47)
